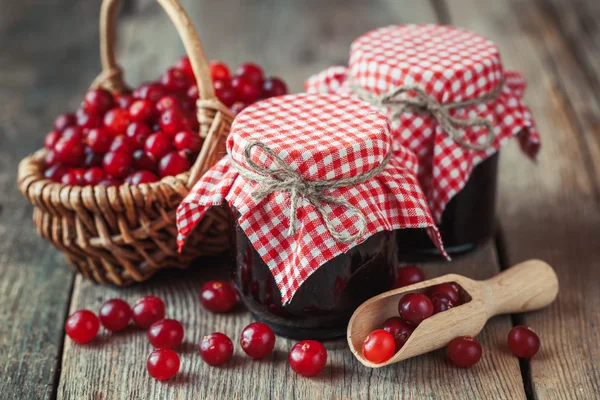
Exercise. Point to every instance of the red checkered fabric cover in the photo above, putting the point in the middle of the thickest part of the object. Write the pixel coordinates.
(452, 65)
(322, 137)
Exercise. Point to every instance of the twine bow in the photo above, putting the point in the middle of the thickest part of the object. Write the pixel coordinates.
(424, 102)
(287, 179)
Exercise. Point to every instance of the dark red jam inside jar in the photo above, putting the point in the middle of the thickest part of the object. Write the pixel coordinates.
(324, 303)
(467, 222)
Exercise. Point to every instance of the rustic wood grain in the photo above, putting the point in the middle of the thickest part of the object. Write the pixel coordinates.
(43, 70)
(550, 210)
(291, 39)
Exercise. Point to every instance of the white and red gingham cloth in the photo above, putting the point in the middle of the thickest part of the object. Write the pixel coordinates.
(322, 137)
(451, 65)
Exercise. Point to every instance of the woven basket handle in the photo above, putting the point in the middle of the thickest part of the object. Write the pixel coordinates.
(111, 78)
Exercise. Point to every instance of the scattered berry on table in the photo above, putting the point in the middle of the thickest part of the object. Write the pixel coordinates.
(218, 296)
(148, 310)
(216, 349)
(165, 334)
(464, 351)
(523, 341)
(257, 340)
(308, 357)
(379, 346)
(163, 364)
(408, 275)
(115, 315)
(82, 326)
(415, 307)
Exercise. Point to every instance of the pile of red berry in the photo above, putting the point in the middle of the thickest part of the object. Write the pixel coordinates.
(150, 133)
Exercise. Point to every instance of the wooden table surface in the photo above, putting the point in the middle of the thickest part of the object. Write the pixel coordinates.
(549, 210)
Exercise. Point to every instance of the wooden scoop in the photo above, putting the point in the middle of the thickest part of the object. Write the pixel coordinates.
(527, 286)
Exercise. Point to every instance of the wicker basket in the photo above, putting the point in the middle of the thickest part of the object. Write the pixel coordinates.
(124, 234)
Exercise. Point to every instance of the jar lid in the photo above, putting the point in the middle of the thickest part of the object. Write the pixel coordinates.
(311, 176)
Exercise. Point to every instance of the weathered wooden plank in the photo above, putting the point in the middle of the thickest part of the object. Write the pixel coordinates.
(291, 39)
(43, 71)
(550, 210)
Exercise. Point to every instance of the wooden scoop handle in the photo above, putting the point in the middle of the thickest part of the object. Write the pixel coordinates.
(527, 286)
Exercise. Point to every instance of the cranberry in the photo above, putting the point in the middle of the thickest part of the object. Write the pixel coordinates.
(98, 101)
(110, 182)
(415, 307)
(163, 364)
(92, 159)
(142, 161)
(450, 289)
(63, 121)
(70, 179)
(219, 70)
(82, 326)
(94, 176)
(117, 163)
(257, 340)
(50, 158)
(140, 177)
(117, 120)
(99, 140)
(408, 275)
(165, 334)
(464, 351)
(224, 92)
(89, 121)
(157, 145)
(185, 65)
(69, 151)
(308, 357)
(148, 310)
(51, 139)
(237, 107)
(188, 140)
(193, 93)
(523, 342)
(124, 100)
(441, 302)
(173, 164)
(216, 349)
(73, 133)
(274, 87)
(399, 329)
(172, 121)
(141, 110)
(55, 172)
(167, 102)
(245, 90)
(218, 296)
(379, 346)
(120, 144)
(115, 315)
(252, 72)
(175, 80)
(152, 91)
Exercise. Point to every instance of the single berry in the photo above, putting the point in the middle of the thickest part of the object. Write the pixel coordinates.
(308, 357)
(193, 93)
(173, 120)
(63, 121)
(51, 139)
(94, 176)
(152, 91)
(117, 120)
(216, 349)
(142, 161)
(121, 144)
(110, 182)
(158, 145)
(92, 159)
(464, 351)
(165, 334)
(245, 90)
(117, 164)
(124, 100)
(82, 326)
(140, 177)
(141, 111)
(163, 364)
(379, 346)
(225, 92)
(70, 179)
(99, 140)
(523, 342)
(441, 302)
(50, 158)
(167, 102)
(408, 275)
(175, 80)
(415, 307)
(219, 70)
(98, 101)
(148, 310)
(115, 315)
(237, 107)
(252, 73)
(55, 172)
(399, 329)
(450, 289)
(89, 121)
(70, 151)
(188, 140)
(274, 87)
(185, 65)
(173, 164)
(257, 340)
(218, 296)
(73, 133)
